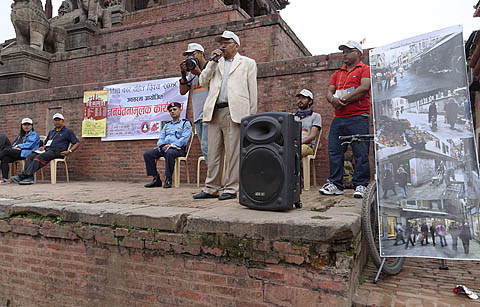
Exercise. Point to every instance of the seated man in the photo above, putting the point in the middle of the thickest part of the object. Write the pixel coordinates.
(172, 143)
(55, 146)
(311, 121)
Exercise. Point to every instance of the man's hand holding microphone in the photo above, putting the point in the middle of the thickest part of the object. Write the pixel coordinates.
(216, 55)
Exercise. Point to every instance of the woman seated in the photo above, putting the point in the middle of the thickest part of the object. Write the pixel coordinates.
(26, 142)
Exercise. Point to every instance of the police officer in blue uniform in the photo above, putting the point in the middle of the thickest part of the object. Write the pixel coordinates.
(172, 143)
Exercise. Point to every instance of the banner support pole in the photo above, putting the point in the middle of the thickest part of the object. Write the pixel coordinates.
(379, 270)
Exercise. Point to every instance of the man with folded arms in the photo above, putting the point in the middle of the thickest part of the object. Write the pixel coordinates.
(56, 146)
(349, 94)
(232, 83)
(172, 143)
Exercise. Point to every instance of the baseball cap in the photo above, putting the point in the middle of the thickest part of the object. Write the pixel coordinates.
(305, 93)
(174, 104)
(352, 45)
(193, 47)
(229, 34)
(58, 115)
(27, 120)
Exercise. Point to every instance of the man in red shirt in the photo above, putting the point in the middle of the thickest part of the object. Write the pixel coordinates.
(349, 94)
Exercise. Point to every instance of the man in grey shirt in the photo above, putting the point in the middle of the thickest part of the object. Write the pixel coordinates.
(198, 94)
(311, 121)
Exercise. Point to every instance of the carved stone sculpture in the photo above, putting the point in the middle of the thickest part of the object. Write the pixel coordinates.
(65, 8)
(95, 14)
(32, 27)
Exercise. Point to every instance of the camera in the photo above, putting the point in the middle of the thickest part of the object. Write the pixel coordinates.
(191, 62)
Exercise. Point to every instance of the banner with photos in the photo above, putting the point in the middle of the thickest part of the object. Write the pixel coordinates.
(427, 169)
(94, 114)
(137, 111)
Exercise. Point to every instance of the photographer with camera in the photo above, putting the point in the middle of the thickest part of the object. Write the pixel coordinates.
(191, 68)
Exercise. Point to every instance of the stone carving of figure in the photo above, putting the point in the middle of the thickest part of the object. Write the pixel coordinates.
(32, 27)
(95, 14)
(65, 8)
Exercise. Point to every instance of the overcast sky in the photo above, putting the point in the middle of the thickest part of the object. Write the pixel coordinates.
(323, 25)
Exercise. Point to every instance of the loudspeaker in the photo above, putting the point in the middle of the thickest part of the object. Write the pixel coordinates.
(270, 157)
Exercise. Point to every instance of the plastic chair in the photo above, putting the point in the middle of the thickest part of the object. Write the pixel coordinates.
(176, 170)
(310, 160)
(20, 164)
(14, 164)
(202, 158)
(53, 167)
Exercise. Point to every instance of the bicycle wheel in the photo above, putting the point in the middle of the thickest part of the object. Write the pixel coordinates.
(392, 266)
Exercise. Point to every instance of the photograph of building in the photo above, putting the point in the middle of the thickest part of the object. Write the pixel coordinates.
(427, 167)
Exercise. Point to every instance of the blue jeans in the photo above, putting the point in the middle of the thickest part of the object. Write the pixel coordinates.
(202, 133)
(348, 126)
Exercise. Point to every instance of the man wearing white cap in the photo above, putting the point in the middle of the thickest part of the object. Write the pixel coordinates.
(349, 94)
(311, 121)
(232, 82)
(198, 94)
(55, 146)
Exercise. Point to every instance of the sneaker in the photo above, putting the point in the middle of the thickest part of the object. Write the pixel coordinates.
(27, 181)
(330, 189)
(359, 191)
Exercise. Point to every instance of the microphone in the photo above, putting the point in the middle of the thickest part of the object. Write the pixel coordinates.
(214, 56)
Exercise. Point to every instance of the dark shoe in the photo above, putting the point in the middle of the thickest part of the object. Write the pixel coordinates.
(225, 196)
(156, 182)
(168, 183)
(204, 195)
(27, 181)
(17, 178)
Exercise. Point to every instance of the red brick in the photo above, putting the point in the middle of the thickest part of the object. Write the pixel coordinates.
(5, 226)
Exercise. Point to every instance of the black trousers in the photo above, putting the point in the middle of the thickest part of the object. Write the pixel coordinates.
(170, 156)
(8, 155)
(36, 161)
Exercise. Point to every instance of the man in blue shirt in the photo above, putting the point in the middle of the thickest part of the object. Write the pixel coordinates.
(172, 143)
(55, 146)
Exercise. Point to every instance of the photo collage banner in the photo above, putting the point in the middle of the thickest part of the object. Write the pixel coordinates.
(427, 168)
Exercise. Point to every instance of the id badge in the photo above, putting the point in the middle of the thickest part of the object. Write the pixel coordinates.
(49, 142)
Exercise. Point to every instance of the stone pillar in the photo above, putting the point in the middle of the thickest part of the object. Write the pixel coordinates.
(49, 9)
(24, 69)
(79, 36)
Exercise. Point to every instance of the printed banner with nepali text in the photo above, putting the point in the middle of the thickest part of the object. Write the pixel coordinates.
(136, 110)
(94, 114)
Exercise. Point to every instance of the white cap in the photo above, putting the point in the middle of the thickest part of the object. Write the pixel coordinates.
(305, 93)
(193, 47)
(58, 115)
(27, 120)
(352, 45)
(229, 34)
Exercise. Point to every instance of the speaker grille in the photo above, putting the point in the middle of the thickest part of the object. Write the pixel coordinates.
(262, 175)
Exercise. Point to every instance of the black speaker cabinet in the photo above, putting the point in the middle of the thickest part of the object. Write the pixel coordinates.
(270, 157)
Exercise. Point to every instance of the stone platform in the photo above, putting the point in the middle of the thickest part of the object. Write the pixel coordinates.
(122, 244)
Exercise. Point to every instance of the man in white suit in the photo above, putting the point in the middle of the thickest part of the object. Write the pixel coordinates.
(232, 82)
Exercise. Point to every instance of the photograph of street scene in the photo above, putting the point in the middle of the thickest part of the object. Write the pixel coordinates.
(428, 185)
(417, 65)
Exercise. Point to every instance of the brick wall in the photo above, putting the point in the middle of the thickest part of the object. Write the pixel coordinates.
(138, 51)
(278, 82)
(56, 263)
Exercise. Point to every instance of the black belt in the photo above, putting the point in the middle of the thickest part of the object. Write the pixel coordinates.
(221, 105)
